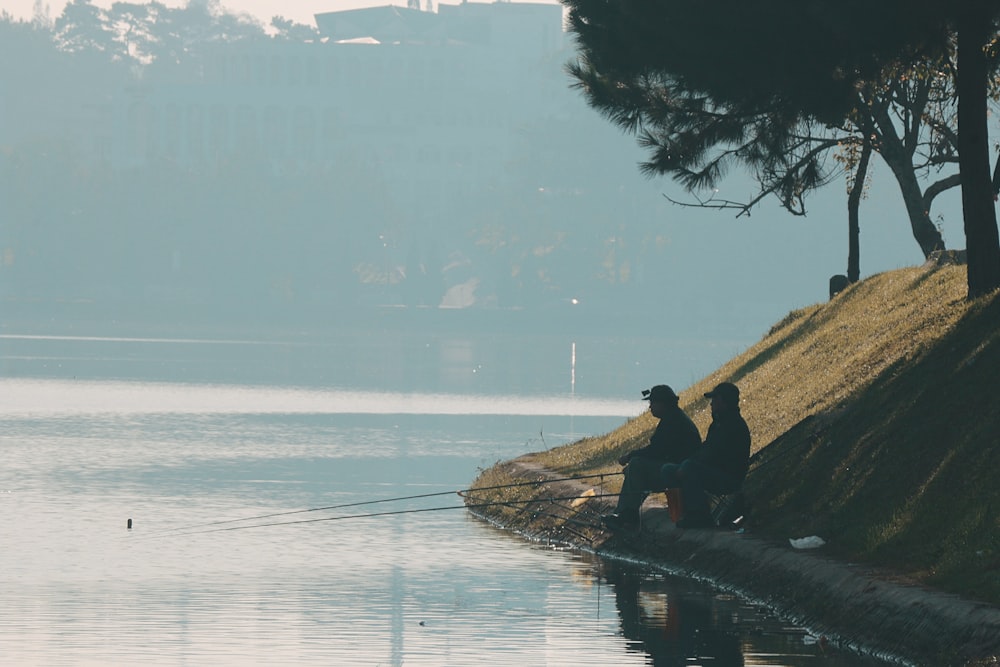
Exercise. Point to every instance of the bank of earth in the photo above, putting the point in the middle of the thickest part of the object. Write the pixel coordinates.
(876, 427)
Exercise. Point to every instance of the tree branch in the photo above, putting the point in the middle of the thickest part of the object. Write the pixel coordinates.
(937, 187)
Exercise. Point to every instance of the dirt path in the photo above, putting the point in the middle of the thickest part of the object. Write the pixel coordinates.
(849, 604)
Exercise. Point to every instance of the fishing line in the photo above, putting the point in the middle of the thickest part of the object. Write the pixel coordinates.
(552, 501)
(379, 514)
(572, 519)
(559, 517)
(390, 500)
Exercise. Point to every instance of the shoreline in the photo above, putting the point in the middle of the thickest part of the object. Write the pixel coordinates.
(864, 609)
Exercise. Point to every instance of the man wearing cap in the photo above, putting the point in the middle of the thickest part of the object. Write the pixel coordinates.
(719, 465)
(676, 438)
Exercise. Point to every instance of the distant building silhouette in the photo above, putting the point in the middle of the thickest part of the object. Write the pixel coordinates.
(433, 107)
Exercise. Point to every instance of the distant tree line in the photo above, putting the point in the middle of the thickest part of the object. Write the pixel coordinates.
(246, 236)
(704, 98)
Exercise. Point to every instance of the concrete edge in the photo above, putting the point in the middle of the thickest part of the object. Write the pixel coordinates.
(865, 609)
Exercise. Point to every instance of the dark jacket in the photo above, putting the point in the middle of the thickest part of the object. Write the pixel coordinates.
(675, 438)
(727, 447)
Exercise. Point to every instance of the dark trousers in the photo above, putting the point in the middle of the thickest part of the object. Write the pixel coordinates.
(642, 475)
(694, 479)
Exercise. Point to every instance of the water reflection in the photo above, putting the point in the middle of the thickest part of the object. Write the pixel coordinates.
(675, 621)
(82, 454)
(399, 358)
(670, 627)
(53, 397)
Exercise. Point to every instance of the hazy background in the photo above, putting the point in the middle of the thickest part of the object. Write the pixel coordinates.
(300, 11)
(269, 182)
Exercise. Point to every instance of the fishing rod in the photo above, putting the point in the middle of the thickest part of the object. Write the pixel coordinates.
(390, 500)
(551, 501)
(564, 519)
(467, 506)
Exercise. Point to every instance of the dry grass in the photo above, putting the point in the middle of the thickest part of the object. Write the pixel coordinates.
(875, 426)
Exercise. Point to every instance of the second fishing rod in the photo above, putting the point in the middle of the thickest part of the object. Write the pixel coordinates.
(361, 503)
(196, 530)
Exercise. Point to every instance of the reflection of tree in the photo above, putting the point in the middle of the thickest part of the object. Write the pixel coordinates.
(686, 628)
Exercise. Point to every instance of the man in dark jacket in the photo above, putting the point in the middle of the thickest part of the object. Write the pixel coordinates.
(675, 439)
(719, 465)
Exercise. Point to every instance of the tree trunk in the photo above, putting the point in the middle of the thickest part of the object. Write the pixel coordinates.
(901, 163)
(978, 211)
(853, 204)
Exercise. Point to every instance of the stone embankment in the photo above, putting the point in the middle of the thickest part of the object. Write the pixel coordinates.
(851, 605)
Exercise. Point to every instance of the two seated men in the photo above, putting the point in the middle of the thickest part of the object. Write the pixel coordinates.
(675, 458)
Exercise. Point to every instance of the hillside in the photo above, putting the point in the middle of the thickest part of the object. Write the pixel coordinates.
(875, 426)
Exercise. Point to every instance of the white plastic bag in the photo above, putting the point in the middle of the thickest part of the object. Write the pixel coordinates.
(811, 542)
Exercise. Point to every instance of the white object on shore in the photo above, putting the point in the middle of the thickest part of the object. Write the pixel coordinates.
(811, 542)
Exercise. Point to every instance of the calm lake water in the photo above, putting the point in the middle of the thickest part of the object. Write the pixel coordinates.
(200, 442)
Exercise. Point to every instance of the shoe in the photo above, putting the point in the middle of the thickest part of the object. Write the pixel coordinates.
(695, 522)
(619, 522)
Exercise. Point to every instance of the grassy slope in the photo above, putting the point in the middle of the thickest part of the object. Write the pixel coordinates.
(877, 421)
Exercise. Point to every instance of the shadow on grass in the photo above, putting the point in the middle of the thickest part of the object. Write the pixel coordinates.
(892, 477)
